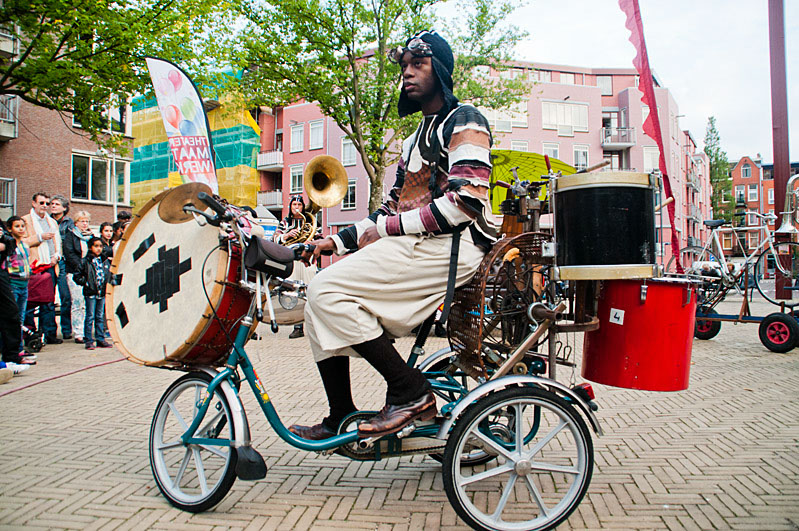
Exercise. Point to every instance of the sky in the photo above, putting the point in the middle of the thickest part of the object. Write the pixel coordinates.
(713, 55)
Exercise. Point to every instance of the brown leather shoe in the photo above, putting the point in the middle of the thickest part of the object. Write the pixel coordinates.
(392, 419)
(316, 432)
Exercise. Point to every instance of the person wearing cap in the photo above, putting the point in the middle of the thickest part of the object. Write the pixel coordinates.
(286, 231)
(399, 274)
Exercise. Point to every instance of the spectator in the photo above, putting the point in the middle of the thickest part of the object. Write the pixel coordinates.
(59, 210)
(76, 247)
(93, 275)
(19, 269)
(107, 235)
(43, 229)
(10, 331)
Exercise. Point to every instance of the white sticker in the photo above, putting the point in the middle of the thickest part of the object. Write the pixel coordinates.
(616, 316)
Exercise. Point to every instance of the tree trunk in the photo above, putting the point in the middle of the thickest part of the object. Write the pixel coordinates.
(376, 189)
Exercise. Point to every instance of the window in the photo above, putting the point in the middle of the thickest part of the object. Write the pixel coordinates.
(347, 152)
(297, 133)
(349, 199)
(771, 196)
(567, 78)
(739, 193)
(754, 240)
(551, 150)
(94, 179)
(543, 76)
(752, 193)
(746, 171)
(726, 241)
(315, 129)
(580, 157)
(519, 145)
(558, 115)
(114, 119)
(724, 198)
(605, 84)
(296, 179)
(505, 120)
(752, 220)
(651, 159)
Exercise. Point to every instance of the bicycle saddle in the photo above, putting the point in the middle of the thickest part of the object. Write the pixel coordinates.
(269, 257)
(713, 223)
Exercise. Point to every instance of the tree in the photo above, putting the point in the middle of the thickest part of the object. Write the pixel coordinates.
(80, 57)
(334, 54)
(719, 170)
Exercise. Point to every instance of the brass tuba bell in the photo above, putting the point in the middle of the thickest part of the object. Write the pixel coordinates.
(325, 181)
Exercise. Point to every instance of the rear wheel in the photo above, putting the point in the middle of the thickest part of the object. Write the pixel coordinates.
(779, 332)
(193, 477)
(543, 466)
(775, 280)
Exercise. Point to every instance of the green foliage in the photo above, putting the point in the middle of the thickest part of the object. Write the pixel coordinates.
(719, 171)
(81, 56)
(333, 52)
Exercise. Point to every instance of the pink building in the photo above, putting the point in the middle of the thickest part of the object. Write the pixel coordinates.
(576, 114)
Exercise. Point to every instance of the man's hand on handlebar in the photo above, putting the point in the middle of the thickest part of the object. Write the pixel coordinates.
(325, 246)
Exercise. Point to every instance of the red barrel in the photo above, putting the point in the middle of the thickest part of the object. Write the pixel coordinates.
(645, 335)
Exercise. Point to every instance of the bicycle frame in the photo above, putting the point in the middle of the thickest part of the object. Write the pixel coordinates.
(714, 245)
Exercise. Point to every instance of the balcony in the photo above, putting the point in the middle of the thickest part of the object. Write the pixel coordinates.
(617, 138)
(693, 181)
(694, 241)
(8, 44)
(8, 117)
(270, 161)
(271, 199)
(694, 213)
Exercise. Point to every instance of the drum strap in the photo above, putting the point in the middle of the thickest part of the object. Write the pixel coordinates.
(436, 192)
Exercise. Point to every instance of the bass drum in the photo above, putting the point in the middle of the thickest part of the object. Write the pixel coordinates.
(177, 299)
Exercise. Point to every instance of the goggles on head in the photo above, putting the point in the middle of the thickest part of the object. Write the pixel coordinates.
(417, 47)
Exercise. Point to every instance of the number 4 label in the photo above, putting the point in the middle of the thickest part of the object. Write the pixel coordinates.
(616, 316)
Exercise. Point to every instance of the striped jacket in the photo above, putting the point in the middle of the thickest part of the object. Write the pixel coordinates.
(464, 167)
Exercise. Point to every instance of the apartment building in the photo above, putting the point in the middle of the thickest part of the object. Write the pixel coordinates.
(579, 115)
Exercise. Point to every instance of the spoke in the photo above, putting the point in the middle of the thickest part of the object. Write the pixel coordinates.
(213, 450)
(519, 428)
(504, 499)
(493, 444)
(182, 469)
(486, 474)
(178, 416)
(169, 446)
(198, 462)
(204, 429)
(536, 496)
(554, 468)
(543, 442)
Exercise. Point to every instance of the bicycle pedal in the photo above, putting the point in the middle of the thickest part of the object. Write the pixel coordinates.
(407, 430)
(250, 465)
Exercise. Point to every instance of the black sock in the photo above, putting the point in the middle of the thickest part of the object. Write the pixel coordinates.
(335, 374)
(405, 384)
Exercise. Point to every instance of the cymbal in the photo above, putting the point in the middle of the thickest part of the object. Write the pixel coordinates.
(171, 206)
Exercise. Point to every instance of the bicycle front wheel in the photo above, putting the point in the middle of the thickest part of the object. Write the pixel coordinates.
(193, 477)
(777, 274)
(699, 262)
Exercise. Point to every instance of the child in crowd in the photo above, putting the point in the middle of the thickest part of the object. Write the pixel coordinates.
(18, 265)
(93, 275)
(10, 330)
(75, 248)
(107, 235)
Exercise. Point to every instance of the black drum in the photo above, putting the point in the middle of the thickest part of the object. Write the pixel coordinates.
(605, 225)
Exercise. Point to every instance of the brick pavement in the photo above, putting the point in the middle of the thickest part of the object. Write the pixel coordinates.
(722, 455)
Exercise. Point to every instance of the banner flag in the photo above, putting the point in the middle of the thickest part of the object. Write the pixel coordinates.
(185, 122)
(652, 123)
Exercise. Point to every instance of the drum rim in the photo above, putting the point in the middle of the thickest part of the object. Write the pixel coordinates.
(603, 180)
(215, 295)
